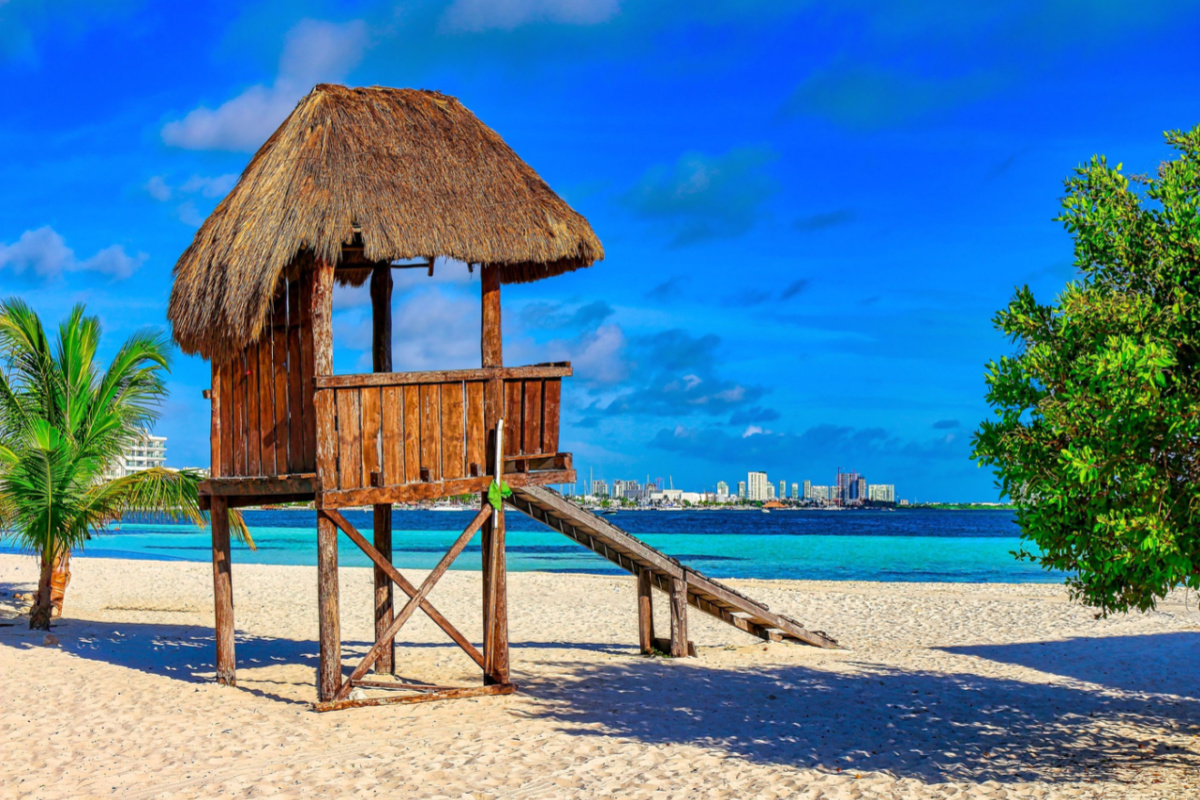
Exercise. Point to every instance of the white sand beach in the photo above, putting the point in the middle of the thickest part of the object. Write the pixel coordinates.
(943, 691)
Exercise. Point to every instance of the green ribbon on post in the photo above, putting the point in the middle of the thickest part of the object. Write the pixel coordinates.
(497, 493)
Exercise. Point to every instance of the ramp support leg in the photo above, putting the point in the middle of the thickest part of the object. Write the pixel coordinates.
(679, 632)
(645, 613)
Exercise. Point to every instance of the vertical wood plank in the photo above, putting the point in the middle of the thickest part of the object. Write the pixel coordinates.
(279, 352)
(266, 402)
(645, 613)
(223, 592)
(679, 610)
(349, 425)
(531, 427)
(476, 432)
(514, 403)
(253, 435)
(384, 610)
(454, 441)
(551, 409)
(227, 423)
(372, 422)
(412, 434)
(308, 359)
(215, 436)
(297, 461)
(238, 368)
(391, 400)
(431, 430)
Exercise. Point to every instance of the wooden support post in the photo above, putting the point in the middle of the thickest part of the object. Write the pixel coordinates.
(223, 592)
(495, 585)
(329, 670)
(381, 361)
(645, 612)
(679, 605)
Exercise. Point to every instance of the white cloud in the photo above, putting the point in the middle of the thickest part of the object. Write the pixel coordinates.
(158, 189)
(481, 15)
(314, 51)
(44, 254)
(210, 187)
(752, 430)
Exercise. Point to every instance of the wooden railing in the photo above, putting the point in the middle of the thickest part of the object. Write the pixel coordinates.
(396, 428)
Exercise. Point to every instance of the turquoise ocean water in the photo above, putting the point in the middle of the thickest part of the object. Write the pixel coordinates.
(922, 545)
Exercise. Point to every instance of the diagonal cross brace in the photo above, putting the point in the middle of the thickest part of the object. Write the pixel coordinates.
(341, 522)
(414, 601)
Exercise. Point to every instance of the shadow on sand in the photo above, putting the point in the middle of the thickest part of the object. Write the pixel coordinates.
(931, 726)
(1162, 663)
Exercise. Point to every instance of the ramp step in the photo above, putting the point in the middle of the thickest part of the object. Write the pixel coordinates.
(633, 555)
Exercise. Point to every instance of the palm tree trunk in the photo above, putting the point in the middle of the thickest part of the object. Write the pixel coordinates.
(39, 615)
(58, 583)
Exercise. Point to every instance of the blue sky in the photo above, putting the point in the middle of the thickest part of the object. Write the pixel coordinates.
(811, 210)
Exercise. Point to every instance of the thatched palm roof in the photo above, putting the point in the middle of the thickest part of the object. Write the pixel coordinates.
(400, 173)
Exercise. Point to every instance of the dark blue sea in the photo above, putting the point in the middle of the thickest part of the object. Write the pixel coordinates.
(917, 545)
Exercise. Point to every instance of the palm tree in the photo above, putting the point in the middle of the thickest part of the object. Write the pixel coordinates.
(62, 422)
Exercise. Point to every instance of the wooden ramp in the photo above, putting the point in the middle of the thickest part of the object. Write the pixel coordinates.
(630, 553)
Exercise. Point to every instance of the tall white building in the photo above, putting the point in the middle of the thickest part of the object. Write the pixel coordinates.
(599, 488)
(146, 452)
(756, 486)
(819, 493)
(795, 495)
(782, 490)
(881, 493)
(741, 490)
(722, 491)
(770, 491)
(807, 490)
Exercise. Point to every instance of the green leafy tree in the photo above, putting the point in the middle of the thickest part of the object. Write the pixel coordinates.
(1096, 435)
(62, 421)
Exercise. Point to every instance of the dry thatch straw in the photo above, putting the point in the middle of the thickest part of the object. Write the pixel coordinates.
(400, 172)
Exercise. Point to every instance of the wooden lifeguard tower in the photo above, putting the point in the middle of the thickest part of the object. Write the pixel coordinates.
(355, 184)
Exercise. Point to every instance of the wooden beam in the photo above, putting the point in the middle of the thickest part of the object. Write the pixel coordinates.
(411, 606)
(404, 584)
(424, 697)
(381, 362)
(491, 341)
(645, 613)
(679, 604)
(223, 594)
(495, 621)
(412, 492)
(329, 670)
(556, 370)
(281, 484)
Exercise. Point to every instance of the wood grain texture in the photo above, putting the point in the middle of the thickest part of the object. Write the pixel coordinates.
(349, 432)
(531, 417)
(551, 410)
(476, 433)
(266, 404)
(297, 460)
(514, 405)
(431, 430)
(561, 370)
(238, 368)
(412, 434)
(679, 627)
(372, 423)
(279, 365)
(215, 439)
(308, 359)
(223, 593)
(454, 443)
(227, 424)
(645, 613)
(392, 433)
(253, 433)
(329, 667)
